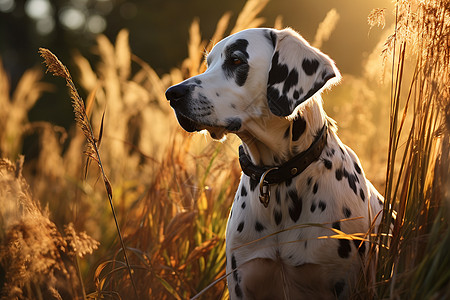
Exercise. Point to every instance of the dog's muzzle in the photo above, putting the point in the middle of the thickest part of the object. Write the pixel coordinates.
(178, 95)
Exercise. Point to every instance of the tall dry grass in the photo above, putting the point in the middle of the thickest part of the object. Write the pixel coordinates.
(38, 260)
(172, 191)
(414, 263)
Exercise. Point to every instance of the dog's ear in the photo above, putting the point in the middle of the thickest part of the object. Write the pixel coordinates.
(298, 71)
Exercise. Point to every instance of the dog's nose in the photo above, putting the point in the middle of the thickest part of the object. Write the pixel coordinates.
(177, 92)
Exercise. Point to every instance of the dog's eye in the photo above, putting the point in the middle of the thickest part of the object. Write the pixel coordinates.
(236, 61)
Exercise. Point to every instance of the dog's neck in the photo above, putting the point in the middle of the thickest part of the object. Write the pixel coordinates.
(273, 140)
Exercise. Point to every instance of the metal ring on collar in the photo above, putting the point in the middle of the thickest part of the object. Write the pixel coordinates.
(264, 196)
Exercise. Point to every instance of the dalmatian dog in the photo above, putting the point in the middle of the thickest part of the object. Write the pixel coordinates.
(300, 184)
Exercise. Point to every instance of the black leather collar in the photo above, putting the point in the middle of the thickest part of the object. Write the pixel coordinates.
(266, 175)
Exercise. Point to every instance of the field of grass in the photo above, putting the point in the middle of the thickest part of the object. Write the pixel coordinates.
(171, 191)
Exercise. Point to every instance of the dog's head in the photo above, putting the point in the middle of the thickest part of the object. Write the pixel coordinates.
(251, 75)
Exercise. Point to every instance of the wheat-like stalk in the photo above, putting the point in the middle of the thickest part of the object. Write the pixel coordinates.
(55, 66)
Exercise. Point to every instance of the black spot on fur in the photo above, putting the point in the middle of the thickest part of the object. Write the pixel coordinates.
(272, 37)
(357, 168)
(306, 244)
(290, 81)
(315, 187)
(347, 212)
(309, 181)
(336, 225)
(298, 128)
(259, 227)
(296, 95)
(339, 174)
(234, 266)
(361, 246)
(238, 71)
(243, 191)
(240, 227)
(253, 184)
(278, 196)
(243, 205)
(278, 72)
(356, 177)
(278, 105)
(310, 66)
(345, 173)
(313, 207)
(327, 164)
(296, 208)
(344, 248)
(351, 182)
(361, 194)
(277, 216)
(237, 290)
(339, 287)
(322, 205)
(362, 249)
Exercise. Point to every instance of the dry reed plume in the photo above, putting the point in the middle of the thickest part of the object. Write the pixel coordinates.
(39, 261)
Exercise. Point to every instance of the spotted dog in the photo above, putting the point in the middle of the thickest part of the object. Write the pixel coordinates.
(300, 183)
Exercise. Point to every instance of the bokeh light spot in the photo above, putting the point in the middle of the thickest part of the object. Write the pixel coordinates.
(96, 24)
(45, 26)
(38, 9)
(7, 6)
(72, 18)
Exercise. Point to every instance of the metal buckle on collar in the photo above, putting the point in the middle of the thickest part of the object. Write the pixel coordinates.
(264, 188)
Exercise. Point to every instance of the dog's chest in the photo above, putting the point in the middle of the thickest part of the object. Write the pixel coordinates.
(300, 213)
(278, 231)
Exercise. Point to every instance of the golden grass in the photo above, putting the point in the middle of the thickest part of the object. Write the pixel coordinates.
(416, 264)
(173, 191)
(39, 261)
